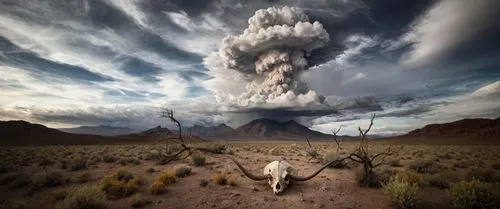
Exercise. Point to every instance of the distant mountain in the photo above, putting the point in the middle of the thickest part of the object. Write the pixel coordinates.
(22, 133)
(102, 130)
(160, 133)
(25, 133)
(477, 128)
(219, 131)
(266, 128)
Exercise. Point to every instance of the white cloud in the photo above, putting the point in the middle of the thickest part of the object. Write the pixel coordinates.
(444, 27)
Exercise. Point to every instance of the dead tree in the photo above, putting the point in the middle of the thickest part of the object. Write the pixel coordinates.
(184, 147)
(335, 132)
(363, 156)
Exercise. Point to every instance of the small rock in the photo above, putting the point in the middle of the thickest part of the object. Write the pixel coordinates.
(255, 189)
(302, 199)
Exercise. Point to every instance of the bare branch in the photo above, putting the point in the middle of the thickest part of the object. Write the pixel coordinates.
(335, 132)
(310, 146)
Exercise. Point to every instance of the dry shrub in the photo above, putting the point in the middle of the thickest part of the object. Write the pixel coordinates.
(425, 166)
(120, 184)
(442, 180)
(157, 188)
(83, 178)
(404, 189)
(167, 177)
(198, 160)
(78, 164)
(50, 179)
(182, 172)
(138, 201)
(219, 178)
(483, 175)
(475, 195)
(84, 197)
(203, 183)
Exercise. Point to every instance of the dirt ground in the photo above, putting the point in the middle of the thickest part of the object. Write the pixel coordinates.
(333, 188)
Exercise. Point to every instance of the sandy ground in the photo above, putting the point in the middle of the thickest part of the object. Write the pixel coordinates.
(333, 188)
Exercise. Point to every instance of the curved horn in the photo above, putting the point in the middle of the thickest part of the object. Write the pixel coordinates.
(305, 178)
(248, 174)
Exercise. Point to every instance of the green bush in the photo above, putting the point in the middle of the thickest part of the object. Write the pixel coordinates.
(84, 197)
(475, 195)
(331, 156)
(198, 160)
(403, 189)
(182, 172)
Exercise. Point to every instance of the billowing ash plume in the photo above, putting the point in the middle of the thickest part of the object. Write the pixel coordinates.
(271, 53)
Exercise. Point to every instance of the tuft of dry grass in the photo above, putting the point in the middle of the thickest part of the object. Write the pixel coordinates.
(167, 177)
(219, 178)
(120, 184)
(157, 188)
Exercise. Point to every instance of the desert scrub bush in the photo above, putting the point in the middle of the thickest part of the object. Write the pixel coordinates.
(83, 197)
(157, 188)
(109, 159)
(78, 164)
(182, 172)
(312, 153)
(483, 175)
(395, 163)
(376, 178)
(119, 184)
(83, 178)
(50, 179)
(331, 156)
(167, 177)
(475, 195)
(219, 178)
(21, 181)
(425, 166)
(403, 189)
(203, 183)
(198, 160)
(45, 162)
(133, 161)
(441, 180)
(150, 170)
(138, 201)
(122, 162)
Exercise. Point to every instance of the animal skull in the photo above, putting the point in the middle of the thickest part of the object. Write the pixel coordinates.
(279, 174)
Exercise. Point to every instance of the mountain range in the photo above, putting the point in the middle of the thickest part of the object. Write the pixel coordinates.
(25, 133)
(102, 130)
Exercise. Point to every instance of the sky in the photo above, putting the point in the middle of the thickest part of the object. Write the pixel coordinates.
(324, 63)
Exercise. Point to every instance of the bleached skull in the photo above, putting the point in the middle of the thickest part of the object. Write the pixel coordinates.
(279, 174)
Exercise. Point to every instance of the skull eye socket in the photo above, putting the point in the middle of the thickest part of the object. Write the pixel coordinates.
(287, 178)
